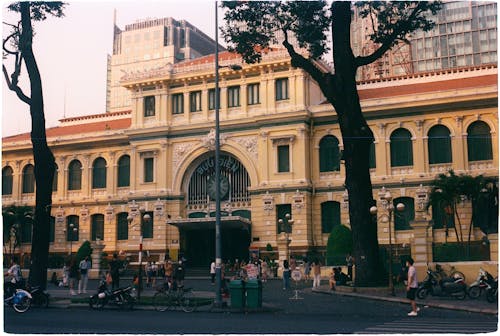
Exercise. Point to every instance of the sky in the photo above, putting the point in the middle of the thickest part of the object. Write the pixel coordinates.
(71, 54)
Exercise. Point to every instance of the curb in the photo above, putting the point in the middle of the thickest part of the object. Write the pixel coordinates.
(403, 300)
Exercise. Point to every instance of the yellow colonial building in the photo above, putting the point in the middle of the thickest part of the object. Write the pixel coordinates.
(281, 154)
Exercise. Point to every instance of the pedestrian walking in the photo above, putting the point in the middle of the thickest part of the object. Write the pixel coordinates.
(148, 269)
(212, 272)
(73, 276)
(286, 275)
(114, 270)
(316, 266)
(265, 270)
(84, 275)
(411, 287)
(331, 281)
(349, 262)
(307, 269)
(179, 273)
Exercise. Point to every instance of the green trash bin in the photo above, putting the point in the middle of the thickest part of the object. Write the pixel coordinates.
(237, 292)
(254, 293)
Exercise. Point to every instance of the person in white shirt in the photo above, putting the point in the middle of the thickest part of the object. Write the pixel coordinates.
(84, 275)
(212, 272)
(411, 287)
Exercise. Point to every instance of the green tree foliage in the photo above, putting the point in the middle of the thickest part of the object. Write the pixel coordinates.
(84, 251)
(18, 47)
(339, 245)
(252, 25)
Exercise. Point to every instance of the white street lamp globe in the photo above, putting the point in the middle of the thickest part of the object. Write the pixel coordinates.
(400, 207)
(373, 210)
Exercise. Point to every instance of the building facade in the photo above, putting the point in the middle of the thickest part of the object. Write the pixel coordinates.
(281, 154)
(146, 45)
(465, 35)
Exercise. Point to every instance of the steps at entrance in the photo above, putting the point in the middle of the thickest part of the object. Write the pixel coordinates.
(198, 272)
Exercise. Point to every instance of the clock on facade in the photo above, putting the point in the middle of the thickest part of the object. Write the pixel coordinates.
(224, 187)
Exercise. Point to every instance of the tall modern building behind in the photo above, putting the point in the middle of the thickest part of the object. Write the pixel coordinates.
(465, 35)
(150, 44)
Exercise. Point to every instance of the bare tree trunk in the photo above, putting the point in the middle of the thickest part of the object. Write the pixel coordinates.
(43, 157)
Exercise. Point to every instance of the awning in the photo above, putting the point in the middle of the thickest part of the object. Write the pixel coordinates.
(227, 222)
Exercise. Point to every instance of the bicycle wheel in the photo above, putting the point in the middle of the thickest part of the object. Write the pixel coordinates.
(23, 305)
(162, 301)
(188, 304)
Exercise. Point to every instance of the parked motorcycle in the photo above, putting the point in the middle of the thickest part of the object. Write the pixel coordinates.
(40, 298)
(455, 287)
(121, 297)
(20, 300)
(484, 281)
(492, 292)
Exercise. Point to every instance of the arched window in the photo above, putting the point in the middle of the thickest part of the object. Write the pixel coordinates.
(439, 144)
(372, 163)
(54, 182)
(329, 154)
(72, 228)
(124, 171)
(479, 141)
(99, 173)
(330, 216)
(26, 230)
(147, 226)
(75, 175)
(402, 219)
(28, 179)
(7, 180)
(122, 226)
(98, 226)
(401, 148)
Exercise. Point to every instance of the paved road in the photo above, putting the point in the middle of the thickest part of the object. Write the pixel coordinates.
(315, 313)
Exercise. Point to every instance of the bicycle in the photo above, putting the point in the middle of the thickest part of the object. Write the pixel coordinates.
(168, 299)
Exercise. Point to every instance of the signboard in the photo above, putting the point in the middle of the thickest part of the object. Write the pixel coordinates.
(296, 275)
(252, 271)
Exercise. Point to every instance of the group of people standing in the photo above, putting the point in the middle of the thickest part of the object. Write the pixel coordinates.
(75, 275)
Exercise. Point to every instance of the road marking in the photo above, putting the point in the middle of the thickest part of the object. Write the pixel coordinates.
(419, 325)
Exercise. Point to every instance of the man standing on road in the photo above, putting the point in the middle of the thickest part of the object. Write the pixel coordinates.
(212, 272)
(411, 287)
(84, 276)
(114, 270)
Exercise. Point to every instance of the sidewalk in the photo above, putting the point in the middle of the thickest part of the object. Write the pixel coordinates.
(382, 294)
(61, 297)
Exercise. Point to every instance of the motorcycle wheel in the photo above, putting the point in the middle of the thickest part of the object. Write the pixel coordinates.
(461, 295)
(422, 293)
(41, 300)
(128, 302)
(23, 305)
(491, 295)
(457, 274)
(96, 303)
(474, 292)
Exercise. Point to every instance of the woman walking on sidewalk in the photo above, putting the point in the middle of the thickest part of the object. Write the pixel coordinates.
(286, 275)
(316, 273)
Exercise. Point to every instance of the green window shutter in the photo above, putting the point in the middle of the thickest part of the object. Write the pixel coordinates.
(479, 142)
(99, 174)
(329, 154)
(52, 229)
(283, 159)
(29, 179)
(122, 226)
(178, 103)
(26, 231)
(75, 175)
(439, 144)
(281, 211)
(402, 219)
(401, 148)
(98, 226)
(148, 169)
(441, 218)
(7, 180)
(330, 216)
(124, 171)
(372, 163)
(147, 226)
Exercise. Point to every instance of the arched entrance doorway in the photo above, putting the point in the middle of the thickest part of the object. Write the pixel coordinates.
(197, 231)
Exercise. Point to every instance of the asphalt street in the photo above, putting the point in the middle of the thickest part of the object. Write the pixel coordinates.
(314, 313)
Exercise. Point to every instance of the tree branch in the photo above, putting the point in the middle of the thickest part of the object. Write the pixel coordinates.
(399, 28)
(300, 61)
(15, 87)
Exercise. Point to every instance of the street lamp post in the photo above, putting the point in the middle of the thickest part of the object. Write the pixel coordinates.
(286, 227)
(146, 217)
(389, 206)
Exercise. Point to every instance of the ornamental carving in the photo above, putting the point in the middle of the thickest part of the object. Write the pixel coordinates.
(180, 150)
(250, 144)
(209, 140)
